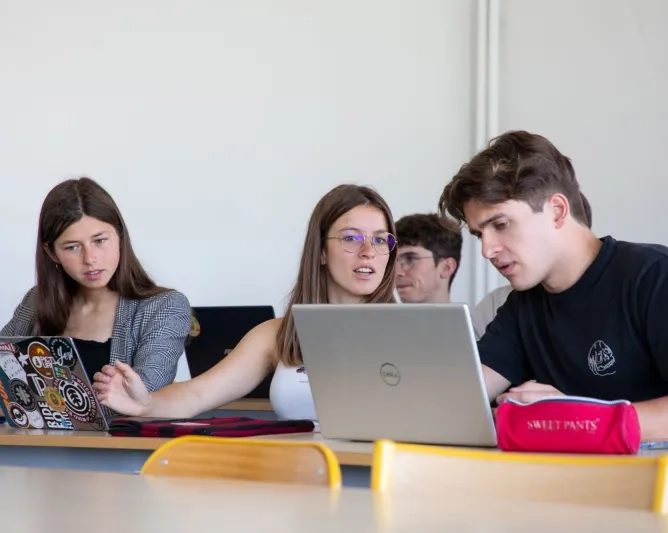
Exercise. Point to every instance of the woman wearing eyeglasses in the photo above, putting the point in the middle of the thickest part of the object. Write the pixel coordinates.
(349, 256)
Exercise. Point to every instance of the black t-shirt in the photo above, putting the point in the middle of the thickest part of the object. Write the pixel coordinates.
(605, 337)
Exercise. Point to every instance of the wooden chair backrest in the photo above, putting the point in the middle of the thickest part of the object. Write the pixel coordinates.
(246, 459)
(620, 481)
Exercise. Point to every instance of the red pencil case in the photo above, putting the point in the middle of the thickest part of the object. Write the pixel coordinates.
(568, 424)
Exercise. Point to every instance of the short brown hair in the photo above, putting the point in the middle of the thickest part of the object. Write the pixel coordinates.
(434, 233)
(517, 165)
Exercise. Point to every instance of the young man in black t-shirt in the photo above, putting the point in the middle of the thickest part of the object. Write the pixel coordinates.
(588, 316)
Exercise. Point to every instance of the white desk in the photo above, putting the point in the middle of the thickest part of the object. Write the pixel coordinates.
(65, 501)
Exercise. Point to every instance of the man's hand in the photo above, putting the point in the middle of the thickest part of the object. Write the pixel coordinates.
(527, 392)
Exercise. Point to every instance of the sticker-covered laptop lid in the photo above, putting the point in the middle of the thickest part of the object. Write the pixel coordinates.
(43, 385)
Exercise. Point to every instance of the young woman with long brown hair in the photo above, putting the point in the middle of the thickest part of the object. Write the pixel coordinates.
(91, 287)
(349, 256)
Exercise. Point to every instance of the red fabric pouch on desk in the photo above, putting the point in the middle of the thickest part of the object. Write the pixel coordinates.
(218, 427)
(568, 424)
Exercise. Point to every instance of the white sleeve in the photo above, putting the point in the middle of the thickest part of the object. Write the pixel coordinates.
(485, 311)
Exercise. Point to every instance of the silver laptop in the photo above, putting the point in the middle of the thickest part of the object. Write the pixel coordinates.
(408, 373)
(44, 385)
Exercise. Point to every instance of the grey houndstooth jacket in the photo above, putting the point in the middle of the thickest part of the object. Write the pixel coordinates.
(148, 334)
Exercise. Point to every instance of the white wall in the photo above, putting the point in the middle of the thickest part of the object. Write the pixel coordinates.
(217, 126)
(592, 76)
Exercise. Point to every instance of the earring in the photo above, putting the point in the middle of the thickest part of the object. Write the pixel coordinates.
(57, 266)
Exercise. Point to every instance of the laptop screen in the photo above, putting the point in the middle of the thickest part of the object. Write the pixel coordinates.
(220, 330)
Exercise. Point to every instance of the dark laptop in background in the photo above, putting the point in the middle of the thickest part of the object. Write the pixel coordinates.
(220, 330)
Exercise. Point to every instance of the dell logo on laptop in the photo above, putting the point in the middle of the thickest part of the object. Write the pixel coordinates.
(390, 374)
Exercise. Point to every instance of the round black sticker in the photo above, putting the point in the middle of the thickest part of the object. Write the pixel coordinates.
(22, 395)
(18, 415)
(79, 399)
(63, 353)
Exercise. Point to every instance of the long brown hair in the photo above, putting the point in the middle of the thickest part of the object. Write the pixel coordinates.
(311, 284)
(66, 204)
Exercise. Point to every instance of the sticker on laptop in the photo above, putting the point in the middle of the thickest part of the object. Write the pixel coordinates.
(11, 366)
(36, 420)
(62, 373)
(23, 395)
(79, 399)
(4, 395)
(41, 359)
(24, 361)
(54, 419)
(8, 347)
(54, 399)
(18, 415)
(63, 353)
(37, 383)
(99, 423)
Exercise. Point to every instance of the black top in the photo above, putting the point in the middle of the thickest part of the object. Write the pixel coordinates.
(94, 355)
(605, 337)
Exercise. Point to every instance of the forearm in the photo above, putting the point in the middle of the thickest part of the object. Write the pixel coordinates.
(495, 383)
(217, 387)
(232, 378)
(653, 417)
(178, 400)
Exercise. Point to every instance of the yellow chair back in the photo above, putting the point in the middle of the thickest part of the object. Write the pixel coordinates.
(246, 459)
(631, 482)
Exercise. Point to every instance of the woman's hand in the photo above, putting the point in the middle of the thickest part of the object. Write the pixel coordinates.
(120, 388)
